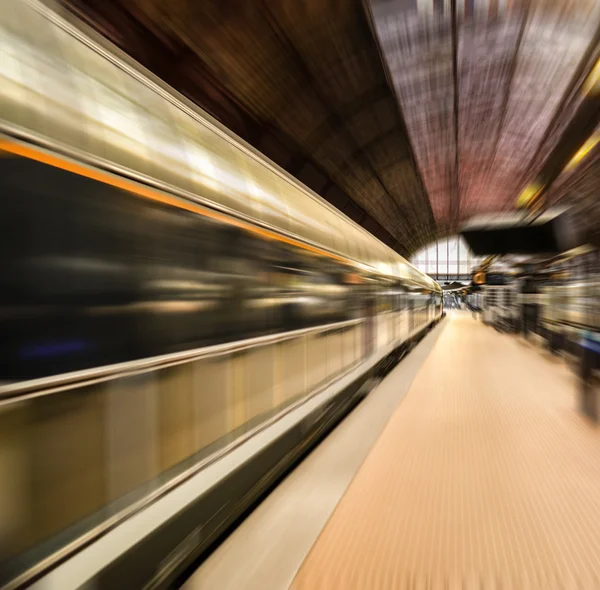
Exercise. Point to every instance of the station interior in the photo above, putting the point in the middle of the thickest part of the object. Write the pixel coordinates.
(300, 294)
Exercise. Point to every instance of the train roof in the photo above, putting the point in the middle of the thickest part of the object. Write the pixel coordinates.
(65, 88)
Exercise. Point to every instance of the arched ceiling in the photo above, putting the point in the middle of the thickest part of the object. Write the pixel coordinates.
(485, 90)
(409, 115)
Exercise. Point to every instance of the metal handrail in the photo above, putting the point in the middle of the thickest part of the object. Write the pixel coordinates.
(49, 385)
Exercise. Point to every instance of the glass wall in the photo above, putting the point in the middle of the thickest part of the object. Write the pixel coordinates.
(447, 259)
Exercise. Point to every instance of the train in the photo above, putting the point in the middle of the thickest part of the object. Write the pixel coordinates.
(169, 298)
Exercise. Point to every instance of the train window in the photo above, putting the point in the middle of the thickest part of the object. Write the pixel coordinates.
(264, 193)
(108, 106)
(159, 120)
(215, 165)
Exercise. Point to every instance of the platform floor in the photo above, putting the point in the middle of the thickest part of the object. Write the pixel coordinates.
(485, 477)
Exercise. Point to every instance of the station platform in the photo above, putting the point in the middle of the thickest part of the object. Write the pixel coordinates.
(485, 476)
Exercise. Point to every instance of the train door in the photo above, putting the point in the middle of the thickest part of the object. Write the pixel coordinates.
(397, 314)
(369, 315)
(381, 318)
(430, 305)
(403, 320)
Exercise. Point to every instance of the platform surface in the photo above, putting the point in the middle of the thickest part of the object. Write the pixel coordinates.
(485, 477)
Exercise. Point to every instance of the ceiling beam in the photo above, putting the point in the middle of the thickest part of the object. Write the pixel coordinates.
(454, 200)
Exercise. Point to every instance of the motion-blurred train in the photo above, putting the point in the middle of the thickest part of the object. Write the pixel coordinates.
(167, 293)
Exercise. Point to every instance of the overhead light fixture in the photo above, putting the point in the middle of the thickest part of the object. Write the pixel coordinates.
(530, 195)
(592, 82)
(583, 151)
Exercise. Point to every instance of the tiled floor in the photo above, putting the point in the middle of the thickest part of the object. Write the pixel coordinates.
(486, 477)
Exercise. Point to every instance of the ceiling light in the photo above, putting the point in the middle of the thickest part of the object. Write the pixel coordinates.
(583, 151)
(529, 195)
(592, 82)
